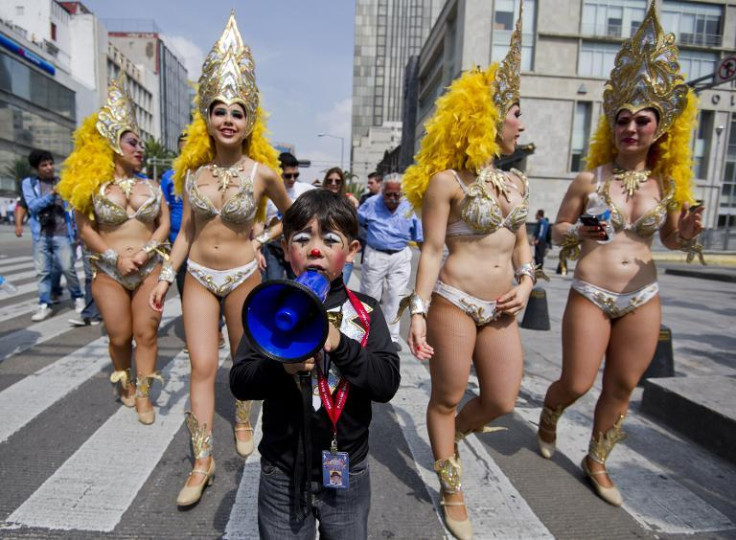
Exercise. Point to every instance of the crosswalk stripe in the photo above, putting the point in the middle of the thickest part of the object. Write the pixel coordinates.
(496, 508)
(38, 391)
(18, 309)
(242, 524)
(4, 261)
(651, 495)
(28, 287)
(5, 270)
(94, 488)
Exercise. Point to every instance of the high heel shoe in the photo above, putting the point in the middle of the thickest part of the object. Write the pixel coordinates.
(550, 417)
(121, 381)
(449, 471)
(598, 451)
(242, 423)
(143, 389)
(201, 448)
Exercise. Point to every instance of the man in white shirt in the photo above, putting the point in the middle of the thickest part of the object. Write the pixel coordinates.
(276, 266)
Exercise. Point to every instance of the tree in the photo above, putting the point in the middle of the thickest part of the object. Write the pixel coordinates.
(158, 158)
(18, 169)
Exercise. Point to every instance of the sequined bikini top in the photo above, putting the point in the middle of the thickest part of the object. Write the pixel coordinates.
(237, 210)
(481, 214)
(649, 222)
(110, 213)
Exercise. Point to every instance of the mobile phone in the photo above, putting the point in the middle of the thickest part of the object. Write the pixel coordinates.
(695, 206)
(590, 221)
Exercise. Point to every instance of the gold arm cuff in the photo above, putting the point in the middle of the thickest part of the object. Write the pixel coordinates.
(167, 272)
(692, 247)
(416, 305)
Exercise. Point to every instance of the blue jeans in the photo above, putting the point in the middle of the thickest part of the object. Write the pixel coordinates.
(45, 251)
(90, 310)
(342, 513)
(276, 266)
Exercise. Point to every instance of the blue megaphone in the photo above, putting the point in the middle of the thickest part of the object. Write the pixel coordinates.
(287, 320)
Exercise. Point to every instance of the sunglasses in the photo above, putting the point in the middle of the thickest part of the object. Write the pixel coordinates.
(335, 181)
(291, 176)
(392, 195)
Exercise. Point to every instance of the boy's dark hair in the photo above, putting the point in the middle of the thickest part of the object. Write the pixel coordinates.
(378, 176)
(36, 157)
(288, 160)
(333, 212)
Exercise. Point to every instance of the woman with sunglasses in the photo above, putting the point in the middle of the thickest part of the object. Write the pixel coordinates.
(334, 181)
(122, 222)
(226, 171)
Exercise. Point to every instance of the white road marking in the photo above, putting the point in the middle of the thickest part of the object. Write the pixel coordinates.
(94, 488)
(651, 494)
(243, 521)
(496, 508)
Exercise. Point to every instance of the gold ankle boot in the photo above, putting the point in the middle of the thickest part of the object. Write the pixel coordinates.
(242, 423)
(550, 417)
(201, 448)
(450, 471)
(459, 436)
(598, 451)
(143, 388)
(120, 381)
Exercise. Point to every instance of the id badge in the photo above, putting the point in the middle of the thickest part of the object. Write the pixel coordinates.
(335, 469)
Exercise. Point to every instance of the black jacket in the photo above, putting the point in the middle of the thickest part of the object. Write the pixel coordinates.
(373, 374)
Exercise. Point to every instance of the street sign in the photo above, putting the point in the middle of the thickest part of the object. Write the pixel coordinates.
(726, 70)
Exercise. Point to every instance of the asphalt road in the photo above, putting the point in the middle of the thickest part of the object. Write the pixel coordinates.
(75, 464)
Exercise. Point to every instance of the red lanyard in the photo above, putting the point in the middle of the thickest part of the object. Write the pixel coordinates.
(334, 407)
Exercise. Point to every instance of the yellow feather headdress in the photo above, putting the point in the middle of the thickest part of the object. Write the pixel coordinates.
(463, 132)
(88, 166)
(647, 75)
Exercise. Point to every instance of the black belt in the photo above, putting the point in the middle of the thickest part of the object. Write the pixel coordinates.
(388, 251)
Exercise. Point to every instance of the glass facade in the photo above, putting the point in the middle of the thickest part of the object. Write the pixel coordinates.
(693, 23)
(701, 144)
(35, 112)
(26, 83)
(387, 34)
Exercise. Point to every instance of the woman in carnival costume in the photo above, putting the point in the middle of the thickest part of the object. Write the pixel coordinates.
(639, 174)
(226, 171)
(122, 222)
(479, 212)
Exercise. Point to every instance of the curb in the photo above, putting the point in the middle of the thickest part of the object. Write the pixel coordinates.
(702, 274)
(702, 408)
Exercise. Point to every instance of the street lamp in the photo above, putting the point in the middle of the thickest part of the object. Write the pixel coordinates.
(342, 146)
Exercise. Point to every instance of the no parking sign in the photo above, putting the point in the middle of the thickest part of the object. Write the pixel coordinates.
(726, 70)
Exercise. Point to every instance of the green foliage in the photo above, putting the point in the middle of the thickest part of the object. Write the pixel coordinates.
(18, 169)
(158, 158)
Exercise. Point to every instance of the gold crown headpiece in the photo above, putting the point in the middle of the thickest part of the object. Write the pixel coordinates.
(647, 75)
(117, 115)
(508, 74)
(228, 75)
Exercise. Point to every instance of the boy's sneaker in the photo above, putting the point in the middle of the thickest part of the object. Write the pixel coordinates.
(42, 312)
(79, 304)
(84, 321)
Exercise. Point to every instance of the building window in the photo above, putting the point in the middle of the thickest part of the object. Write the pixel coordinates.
(696, 64)
(53, 32)
(701, 144)
(728, 189)
(19, 11)
(504, 17)
(693, 23)
(597, 59)
(612, 18)
(580, 135)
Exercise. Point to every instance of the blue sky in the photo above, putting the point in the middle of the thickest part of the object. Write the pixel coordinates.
(303, 51)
